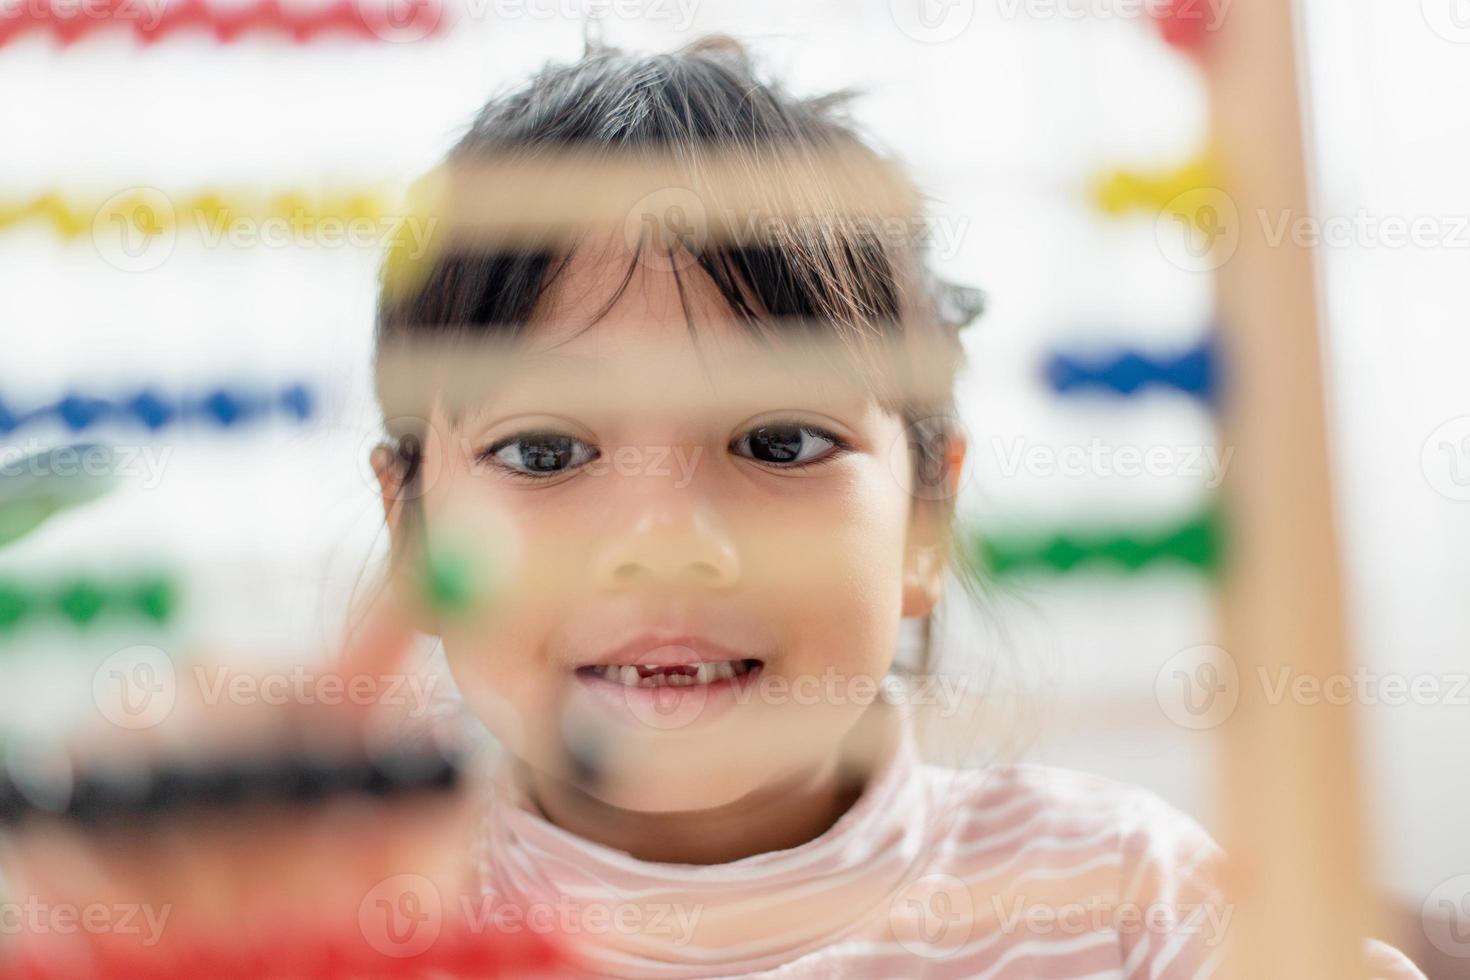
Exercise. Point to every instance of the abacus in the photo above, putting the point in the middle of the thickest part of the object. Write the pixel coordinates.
(1270, 546)
(1292, 808)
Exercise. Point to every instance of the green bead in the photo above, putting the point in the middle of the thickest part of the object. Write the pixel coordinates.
(14, 606)
(451, 581)
(1063, 553)
(82, 602)
(157, 600)
(1197, 545)
(1196, 542)
(1129, 552)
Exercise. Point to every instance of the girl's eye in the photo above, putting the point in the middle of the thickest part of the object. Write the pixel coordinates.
(788, 444)
(539, 455)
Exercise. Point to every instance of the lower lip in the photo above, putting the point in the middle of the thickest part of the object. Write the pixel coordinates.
(669, 708)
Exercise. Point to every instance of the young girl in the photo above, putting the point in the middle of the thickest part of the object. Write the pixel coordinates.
(707, 540)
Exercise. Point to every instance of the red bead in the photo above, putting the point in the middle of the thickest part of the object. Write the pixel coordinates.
(1185, 24)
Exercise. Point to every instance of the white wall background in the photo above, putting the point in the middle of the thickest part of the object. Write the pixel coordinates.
(1005, 122)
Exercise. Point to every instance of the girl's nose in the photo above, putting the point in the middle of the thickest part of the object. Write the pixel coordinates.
(683, 546)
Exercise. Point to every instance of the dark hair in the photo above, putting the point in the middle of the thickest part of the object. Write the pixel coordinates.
(849, 280)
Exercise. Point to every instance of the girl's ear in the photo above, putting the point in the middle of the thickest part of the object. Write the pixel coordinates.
(923, 581)
(391, 472)
(925, 563)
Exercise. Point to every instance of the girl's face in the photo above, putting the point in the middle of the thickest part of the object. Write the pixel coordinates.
(704, 553)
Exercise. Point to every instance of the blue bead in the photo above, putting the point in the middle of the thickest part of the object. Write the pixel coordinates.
(149, 408)
(1128, 373)
(80, 413)
(222, 407)
(298, 402)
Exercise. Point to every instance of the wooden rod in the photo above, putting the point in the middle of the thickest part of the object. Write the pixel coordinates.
(1290, 784)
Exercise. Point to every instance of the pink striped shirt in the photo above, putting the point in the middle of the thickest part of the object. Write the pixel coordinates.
(1004, 872)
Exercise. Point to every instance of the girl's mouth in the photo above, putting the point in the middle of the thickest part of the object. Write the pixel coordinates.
(669, 696)
(704, 674)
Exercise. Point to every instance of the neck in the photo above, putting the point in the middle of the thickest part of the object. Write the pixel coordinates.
(782, 815)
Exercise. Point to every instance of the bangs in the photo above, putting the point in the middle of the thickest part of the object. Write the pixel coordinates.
(809, 237)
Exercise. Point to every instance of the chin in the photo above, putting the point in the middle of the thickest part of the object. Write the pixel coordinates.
(652, 791)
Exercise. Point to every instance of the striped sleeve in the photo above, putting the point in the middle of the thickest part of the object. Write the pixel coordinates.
(1172, 875)
(1173, 921)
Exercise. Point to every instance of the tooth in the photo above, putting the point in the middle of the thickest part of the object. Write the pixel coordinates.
(703, 673)
(629, 676)
(724, 671)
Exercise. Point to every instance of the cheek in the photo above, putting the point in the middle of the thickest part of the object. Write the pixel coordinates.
(497, 651)
(838, 583)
